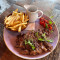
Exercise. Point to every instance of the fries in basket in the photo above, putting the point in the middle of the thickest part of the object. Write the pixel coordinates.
(16, 21)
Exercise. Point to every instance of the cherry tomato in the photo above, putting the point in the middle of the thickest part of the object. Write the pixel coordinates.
(49, 25)
(46, 21)
(41, 22)
(50, 28)
(41, 19)
(44, 25)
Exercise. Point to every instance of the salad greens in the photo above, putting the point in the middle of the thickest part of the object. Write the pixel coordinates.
(43, 35)
(36, 34)
(46, 26)
(31, 45)
(26, 42)
(40, 39)
(50, 22)
(51, 31)
(51, 17)
(49, 40)
(44, 39)
(29, 42)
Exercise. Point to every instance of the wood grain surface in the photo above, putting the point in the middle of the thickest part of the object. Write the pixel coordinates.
(5, 54)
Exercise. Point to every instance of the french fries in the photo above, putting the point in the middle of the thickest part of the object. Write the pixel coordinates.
(19, 29)
(16, 21)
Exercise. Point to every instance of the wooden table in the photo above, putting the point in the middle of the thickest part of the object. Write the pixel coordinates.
(5, 54)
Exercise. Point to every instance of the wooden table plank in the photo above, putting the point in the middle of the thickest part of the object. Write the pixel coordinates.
(9, 56)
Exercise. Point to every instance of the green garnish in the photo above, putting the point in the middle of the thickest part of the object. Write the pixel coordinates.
(50, 22)
(51, 17)
(54, 22)
(40, 39)
(49, 40)
(46, 26)
(51, 31)
(43, 35)
(28, 42)
(44, 39)
(36, 34)
(31, 39)
(33, 47)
